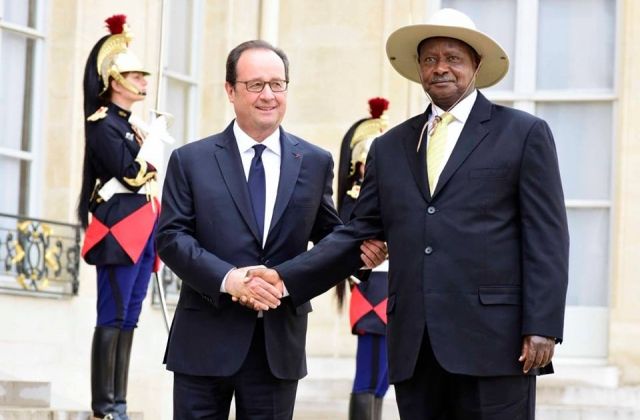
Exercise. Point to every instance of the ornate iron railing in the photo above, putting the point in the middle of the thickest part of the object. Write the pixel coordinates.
(38, 257)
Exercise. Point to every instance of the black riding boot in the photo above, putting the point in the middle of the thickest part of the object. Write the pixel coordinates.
(361, 406)
(123, 356)
(103, 362)
(377, 408)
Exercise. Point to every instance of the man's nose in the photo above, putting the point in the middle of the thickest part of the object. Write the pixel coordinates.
(267, 93)
(441, 66)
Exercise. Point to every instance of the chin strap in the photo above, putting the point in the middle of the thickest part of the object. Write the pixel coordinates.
(125, 83)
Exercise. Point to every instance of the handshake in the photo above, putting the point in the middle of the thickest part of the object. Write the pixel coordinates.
(255, 287)
(261, 288)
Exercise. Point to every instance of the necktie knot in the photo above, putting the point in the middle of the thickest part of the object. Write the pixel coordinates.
(442, 120)
(259, 148)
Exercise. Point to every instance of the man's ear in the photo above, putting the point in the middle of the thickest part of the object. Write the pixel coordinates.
(115, 86)
(228, 87)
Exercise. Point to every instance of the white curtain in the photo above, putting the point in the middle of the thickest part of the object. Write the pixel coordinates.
(13, 80)
(576, 44)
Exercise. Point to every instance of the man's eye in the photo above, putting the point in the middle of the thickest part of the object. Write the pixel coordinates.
(255, 85)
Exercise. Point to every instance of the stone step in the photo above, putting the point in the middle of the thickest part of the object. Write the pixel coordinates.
(549, 412)
(576, 395)
(24, 394)
(51, 414)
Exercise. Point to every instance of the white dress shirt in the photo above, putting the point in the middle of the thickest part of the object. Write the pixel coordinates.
(271, 162)
(460, 114)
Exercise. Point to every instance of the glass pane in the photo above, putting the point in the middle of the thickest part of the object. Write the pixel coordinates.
(10, 191)
(496, 18)
(589, 257)
(178, 105)
(21, 12)
(576, 44)
(179, 38)
(15, 90)
(584, 149)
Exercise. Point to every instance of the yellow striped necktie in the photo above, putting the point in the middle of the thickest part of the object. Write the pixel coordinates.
(436, 149)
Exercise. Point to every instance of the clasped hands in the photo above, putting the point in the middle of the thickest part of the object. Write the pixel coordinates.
(261, 288)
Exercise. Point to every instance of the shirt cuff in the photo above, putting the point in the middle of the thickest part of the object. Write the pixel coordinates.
(223, 288)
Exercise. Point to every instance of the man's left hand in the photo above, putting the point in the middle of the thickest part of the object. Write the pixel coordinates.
(537, 352)
(374, 252)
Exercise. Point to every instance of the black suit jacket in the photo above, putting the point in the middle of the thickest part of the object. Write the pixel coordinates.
(483, 262)
(207, 227)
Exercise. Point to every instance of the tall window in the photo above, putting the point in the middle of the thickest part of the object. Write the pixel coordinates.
(182, 41)
(21, 55)
(563, 55)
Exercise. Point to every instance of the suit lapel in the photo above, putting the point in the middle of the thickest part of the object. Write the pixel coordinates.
(290, 162)
(417, 159)
(472, 134)
(230, 163)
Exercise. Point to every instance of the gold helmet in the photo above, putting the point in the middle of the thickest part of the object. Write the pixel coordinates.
(115, 58)
(367, 131)
(355, 148)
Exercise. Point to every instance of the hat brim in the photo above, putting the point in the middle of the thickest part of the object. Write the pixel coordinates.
(402, 48)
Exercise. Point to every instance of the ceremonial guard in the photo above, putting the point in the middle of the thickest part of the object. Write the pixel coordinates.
(119, 190)
(367, 307)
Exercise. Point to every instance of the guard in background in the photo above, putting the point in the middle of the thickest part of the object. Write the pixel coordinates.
(119, 190)
(368, 304)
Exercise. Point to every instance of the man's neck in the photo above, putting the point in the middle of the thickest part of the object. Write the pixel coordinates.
(121, 102)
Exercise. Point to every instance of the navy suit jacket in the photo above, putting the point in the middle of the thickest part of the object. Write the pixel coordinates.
(483, 262)
(207, 227)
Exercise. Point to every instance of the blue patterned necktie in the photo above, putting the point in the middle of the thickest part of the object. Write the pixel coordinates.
(257, 187)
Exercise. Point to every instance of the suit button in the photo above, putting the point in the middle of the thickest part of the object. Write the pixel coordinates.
(431, 209)
(428, 250)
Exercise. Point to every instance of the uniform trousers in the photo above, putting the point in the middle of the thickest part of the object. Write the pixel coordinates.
(122, 288)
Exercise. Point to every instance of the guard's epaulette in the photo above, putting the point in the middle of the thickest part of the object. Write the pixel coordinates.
(99, 114)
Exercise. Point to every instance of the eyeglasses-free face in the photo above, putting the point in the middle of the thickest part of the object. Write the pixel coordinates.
(256, 86)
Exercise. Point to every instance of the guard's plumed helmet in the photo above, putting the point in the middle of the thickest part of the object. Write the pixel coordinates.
(114, 57)
(109, 59)
(367, 131)
(356, 144)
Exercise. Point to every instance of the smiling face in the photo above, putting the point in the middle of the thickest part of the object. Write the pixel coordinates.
(259, 114)
(447, 66)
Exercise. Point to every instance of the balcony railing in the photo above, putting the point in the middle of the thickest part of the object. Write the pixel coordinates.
(38, 257)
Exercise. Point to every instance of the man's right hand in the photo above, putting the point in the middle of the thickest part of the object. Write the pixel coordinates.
(257, 278)
(261, 294)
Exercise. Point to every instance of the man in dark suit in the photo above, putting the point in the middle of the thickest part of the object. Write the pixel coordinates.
(251, 195)
(469, 199)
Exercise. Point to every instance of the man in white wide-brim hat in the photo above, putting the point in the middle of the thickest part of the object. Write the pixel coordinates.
(469, 199)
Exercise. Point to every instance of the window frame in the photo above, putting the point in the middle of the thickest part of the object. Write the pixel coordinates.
(192, 78)
(33, 157)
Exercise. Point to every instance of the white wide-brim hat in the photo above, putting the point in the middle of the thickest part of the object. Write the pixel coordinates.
(402, 46)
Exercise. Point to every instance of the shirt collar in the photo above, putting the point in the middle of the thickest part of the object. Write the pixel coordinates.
(245, 142)
(120, 112)
(462, 110)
